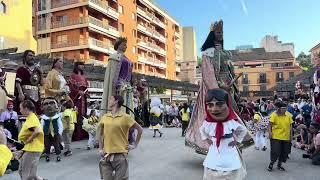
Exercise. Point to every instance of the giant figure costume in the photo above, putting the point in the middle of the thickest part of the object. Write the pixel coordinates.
(217, 72)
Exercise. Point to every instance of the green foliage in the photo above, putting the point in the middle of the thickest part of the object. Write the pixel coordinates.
(304, 60)
(160, 90)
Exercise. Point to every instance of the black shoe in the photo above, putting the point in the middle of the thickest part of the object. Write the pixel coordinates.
(88, 148)
(161, 134)
(281, 168)
(270, 167)
(58, 158)
(67, 153)
(47, 158)
(264, 148)
(154, 136)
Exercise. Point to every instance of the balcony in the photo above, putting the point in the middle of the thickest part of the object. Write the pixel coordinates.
(100, 46)
(146, 45)
(68, 45)
(57, 4)
(177, 34)
(71, 22)
(158, 49)
(104, 8)
(144, 13)
(145, 29)
(158, 22)
(152, 62)
(159, 36)
(100, 26)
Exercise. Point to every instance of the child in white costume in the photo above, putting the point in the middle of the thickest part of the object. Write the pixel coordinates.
(222, 132)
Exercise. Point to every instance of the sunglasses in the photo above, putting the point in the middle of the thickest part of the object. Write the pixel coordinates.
(49, 103)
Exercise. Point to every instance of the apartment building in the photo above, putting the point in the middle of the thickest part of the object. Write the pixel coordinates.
(87, 30)
(16, 21)
(263, 70)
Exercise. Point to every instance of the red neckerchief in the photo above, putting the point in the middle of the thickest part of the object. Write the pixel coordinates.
(219, 127)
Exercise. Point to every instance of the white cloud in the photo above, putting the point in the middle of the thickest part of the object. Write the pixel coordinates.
(244, 7)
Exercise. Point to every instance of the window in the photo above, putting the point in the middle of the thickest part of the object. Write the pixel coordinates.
(121, 10)
(245, 79)
(262, 78)
(134, 33)
(274, 65)
(133, 16)
(62, 19)
(279, 77)
(3, 8)
(121, 27)
(134, 50)
(291, 74)
(62, 38)
(263, 87)
(42, 5)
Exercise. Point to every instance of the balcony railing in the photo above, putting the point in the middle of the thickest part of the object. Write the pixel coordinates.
(147, 30)
(63, 44)
(144, 13)
(98, 22)
(101, 44)
(106, 8)
(71, 22)
(56, 4)
(159, 22)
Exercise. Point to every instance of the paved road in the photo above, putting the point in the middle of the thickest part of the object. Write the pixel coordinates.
(166, 158)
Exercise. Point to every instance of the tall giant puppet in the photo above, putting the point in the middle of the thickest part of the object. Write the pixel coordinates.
(118, 77)
(29, 78)
(217, 72)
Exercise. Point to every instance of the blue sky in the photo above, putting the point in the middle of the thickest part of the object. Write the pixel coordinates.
(246, 22)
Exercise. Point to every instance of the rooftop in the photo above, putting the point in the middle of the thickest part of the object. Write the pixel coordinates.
(260, 54)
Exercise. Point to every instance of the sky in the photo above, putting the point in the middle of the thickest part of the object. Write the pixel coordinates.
(246, 22)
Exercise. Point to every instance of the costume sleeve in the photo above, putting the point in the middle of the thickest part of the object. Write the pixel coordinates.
(19, 75)
(116, 73)
(6, 156)
(48, 81)
(203, 133)
(240, 132)
(2, 117)
(317, 143)
(207, 68)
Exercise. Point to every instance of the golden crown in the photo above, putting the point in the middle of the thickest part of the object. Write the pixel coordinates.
(218, 25)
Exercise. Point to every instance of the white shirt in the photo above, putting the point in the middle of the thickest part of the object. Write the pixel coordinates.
(60, 125)
(226, 158)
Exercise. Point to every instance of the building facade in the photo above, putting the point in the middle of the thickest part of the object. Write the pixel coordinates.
(263, 70)
(87, 30)
(16, 20)
(186, 68)
(272, 44)
(315, 54)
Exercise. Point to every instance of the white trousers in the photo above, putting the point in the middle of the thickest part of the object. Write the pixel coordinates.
(260, 140)
(91, 139)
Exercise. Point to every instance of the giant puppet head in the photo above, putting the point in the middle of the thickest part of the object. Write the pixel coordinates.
(218, 106)
(215, 37)
(50, 106)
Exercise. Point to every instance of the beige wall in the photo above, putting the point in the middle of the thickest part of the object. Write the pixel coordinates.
(189, 44)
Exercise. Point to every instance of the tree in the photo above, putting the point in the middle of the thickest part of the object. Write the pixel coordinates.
(304, 60)
(160, 90)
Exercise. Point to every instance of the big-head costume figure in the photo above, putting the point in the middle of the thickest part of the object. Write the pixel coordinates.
(52, 126)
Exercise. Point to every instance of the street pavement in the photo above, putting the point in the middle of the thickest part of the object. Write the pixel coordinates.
(167, 158)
